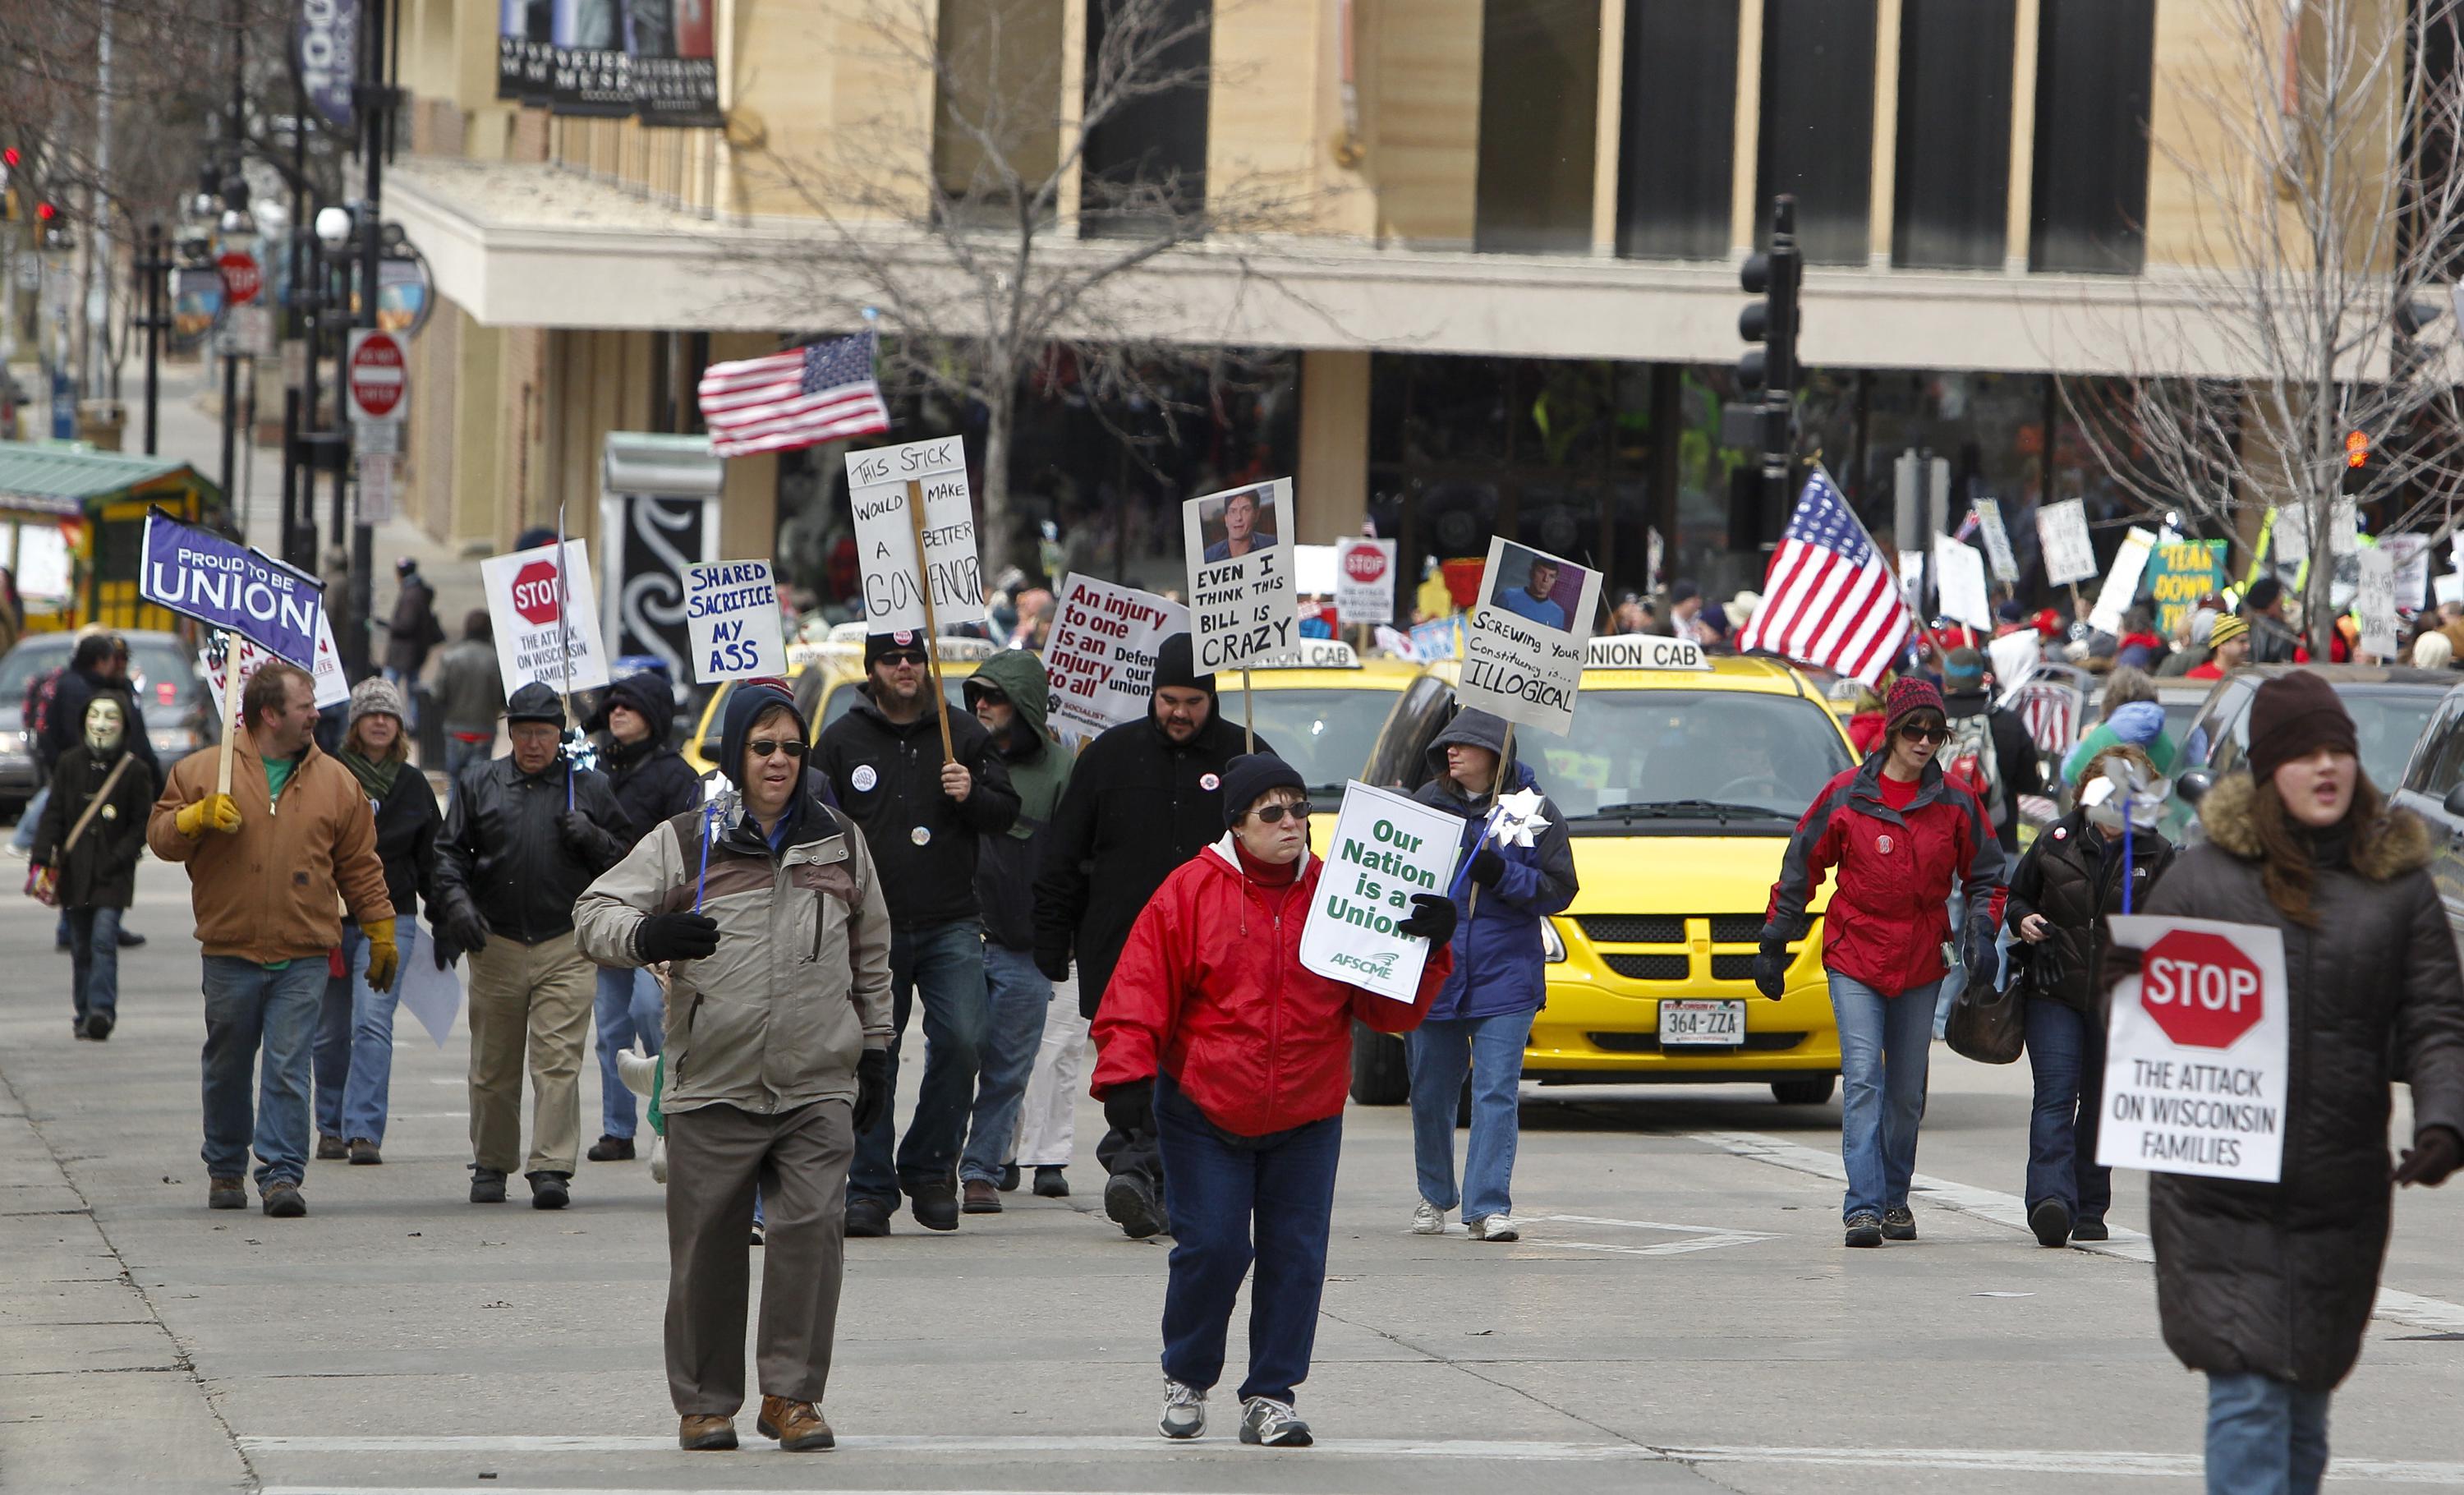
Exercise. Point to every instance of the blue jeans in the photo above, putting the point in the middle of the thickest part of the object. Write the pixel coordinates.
(460, 755)
(94, 969)
(628, 1007)
(1438, 1051)
(2265, 1437)
(1017, 996)
(354, 1045)
(2066, 1053)
(1286, 1183)
(943, 965)
(250, 1009)
(1884, 1046)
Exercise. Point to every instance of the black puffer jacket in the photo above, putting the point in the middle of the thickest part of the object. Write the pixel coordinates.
(501, 849)
(888, 782)
(2278, 1278)
(2068, 877)
(652, 781)
(408, 823)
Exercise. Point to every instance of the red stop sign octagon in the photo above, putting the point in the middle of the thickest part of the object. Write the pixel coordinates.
(242, 279)
(1365, 564)
(534, 592)
(2200, 989)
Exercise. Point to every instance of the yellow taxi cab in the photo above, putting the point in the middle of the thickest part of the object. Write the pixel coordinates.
(1321, 707)
(1680, 784)
(824, 678)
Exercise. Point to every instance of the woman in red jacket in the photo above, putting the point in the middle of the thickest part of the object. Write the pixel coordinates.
(1900, 832)
(1214, 1038)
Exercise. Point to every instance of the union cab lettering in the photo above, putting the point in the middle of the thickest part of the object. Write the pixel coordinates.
(1643, 651)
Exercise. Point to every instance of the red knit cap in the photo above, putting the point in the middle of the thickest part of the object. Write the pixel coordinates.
(1909, 696)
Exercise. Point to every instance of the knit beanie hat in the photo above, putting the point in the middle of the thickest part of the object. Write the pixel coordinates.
(1909, 696)
(375, 697)
(1962, 672)
(2292, 717)
(2226, 630)
(876, 645)
(1247, 779)
(1177, 666)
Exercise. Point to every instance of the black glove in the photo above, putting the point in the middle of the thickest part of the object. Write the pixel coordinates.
(874, 1073)
(442, 947)
(676, 936)
(1055, 968)
(1131, 1108)
(1770, 969)
(462, 925)
(582, 836)
(2434, 1153)
(1977, 952)
(1433, 919)
(1487, 867)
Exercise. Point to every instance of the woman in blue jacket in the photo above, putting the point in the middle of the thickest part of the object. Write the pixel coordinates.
(1481, 1017)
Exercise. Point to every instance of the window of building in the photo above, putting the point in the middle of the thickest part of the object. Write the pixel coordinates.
(1146, 157)
(1539, 110)
(2094, 66)
(1677, 129)
(995, 119)
(1952, 182)
(1817, 125)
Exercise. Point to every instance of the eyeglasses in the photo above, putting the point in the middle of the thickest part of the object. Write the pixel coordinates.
(1933, 735)
(901, 657)
(763, 747)
(1273, 813)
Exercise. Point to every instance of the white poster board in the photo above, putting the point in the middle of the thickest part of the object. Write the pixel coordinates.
(1100, 653)
(885, 536)
(1364, 580)
(43, 568)
(1243, 594)
(1912, 571)
(547, 627)
(332, 687)
(2062, 531)
(1522, 652)
(732, 618)
(1959, 584)
(1386, 848)
(2410, 556)
(2376, 604)
(2122, 580)
(432, 996)
(1997, 539)
(2195, 1067)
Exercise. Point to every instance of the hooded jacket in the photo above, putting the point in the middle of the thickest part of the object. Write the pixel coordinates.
(64, 726)
(2014, 757)
(1499, 961)
(888, 777)
(101, 871)
(1209, 990)
(1139, 805)
(2141, 723)
(2278, 1278)
(651, 779)
(1039, 770)
(2072, 877)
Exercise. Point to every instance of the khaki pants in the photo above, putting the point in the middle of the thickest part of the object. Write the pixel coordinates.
(534, 1000)
(715, 1156)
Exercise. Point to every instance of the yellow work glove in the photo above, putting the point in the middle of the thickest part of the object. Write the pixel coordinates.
(214, 812)
(384, 959)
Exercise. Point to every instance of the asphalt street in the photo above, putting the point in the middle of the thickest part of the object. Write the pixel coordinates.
(1680, 1314)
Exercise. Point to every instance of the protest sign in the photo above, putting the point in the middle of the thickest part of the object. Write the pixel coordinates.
(2409, 553)
(916, 563)
(2195, 1071)
(1959, 584)
(2179, 573)
(546, 622)
(2062, 531)
(2121, 583)
(1364, 580)
(332, 687)
(1997, 539)
(198, 573)
(2376, 604)
(2448, 588)
(1244, 596)
(731, 617)
(1912, 569)
(1523, 653)
(1386, 848)
(1100, 655)
(1439, 638)
(429, 992)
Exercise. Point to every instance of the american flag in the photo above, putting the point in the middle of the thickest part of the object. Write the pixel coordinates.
(799, 398)
(1828, 598)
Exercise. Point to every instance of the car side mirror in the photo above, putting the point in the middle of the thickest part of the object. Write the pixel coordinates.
(2193, 785)
(2456, 801)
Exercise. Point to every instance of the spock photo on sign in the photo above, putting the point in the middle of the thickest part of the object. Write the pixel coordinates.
(1539, 588)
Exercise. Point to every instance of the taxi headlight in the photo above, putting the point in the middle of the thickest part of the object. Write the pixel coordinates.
(1552, 949)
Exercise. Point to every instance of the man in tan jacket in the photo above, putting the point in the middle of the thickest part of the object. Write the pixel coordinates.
(268, 863)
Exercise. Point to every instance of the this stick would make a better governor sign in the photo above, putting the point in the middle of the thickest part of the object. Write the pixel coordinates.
(932, 624)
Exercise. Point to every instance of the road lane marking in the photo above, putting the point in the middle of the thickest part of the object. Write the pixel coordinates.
(2396, 1307)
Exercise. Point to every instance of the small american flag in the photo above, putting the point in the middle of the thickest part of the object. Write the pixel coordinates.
(799, 398)
(1828, 598)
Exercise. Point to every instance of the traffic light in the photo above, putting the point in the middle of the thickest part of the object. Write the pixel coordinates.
(1771, 323)
(11, 158)
(2356, 461)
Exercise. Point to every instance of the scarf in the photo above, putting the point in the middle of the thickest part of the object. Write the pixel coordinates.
(375, 776)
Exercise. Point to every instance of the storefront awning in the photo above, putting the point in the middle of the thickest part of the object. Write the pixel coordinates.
(56, 479)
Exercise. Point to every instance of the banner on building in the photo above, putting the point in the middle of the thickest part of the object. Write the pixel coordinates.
(1386, 848)
(546, 619)
(672, 48)
(1100, 655)
(2195, 1071)
(1522, 652)
(525, 45)
(223, 585)
(879, 485)
(1243, 594)
(589, 72)
(732, 611)
(327, 45)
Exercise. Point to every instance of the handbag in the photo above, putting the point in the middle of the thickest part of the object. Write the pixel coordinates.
(1988, 1026)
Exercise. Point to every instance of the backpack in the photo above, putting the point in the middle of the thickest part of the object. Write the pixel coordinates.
(1969, 757)
(37, 710)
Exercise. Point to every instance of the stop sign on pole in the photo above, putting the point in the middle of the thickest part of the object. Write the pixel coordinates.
(242, 279)
(2201, 990)
(377, 375)
(2196, 1070)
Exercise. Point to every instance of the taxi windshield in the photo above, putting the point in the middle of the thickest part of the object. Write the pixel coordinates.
(1713, 755)
(1327, 735)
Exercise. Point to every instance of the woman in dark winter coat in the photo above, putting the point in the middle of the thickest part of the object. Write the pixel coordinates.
(94, 880)
(1902, 834)
(1481, 1017)
(354, 1045)
(2267, 1287)
(652, 783)
(2065, 887)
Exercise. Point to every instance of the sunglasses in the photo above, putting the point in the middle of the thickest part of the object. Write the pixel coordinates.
(1934, 734)
(763, 747)
(903, 656)
(1273, 813)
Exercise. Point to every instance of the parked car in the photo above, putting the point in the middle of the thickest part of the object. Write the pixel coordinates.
(2391, 707)
(170, 689)
(2433, 788)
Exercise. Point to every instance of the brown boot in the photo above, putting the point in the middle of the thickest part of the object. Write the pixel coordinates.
(702, 1432)
(982, 1197)
(797, 1425)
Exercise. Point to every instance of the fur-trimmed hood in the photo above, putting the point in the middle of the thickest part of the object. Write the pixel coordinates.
(2399, 843)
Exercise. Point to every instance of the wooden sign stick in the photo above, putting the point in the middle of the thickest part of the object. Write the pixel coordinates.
(230, 710)
(1249, 717)
(932, 624)
(1496, 791)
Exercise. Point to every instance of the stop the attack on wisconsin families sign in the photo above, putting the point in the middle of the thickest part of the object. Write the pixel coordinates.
(1387, 846)
(2196, 1070)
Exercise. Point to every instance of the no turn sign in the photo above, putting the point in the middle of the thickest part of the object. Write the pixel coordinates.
(377, 375)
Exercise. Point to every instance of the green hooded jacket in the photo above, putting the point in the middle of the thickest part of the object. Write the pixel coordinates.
(1005, 868)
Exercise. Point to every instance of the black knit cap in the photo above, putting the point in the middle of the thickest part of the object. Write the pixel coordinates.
(1176, 665)
(1248, 779)
(2294, 716)
(876, 645)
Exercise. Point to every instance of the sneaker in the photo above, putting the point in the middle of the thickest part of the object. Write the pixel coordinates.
(487, 1185)
(1865, 1230)
(1494, 1227)
(760, 1234)
(331, 1150)
(226, 1193)
(2051, 1221)
(1272, 1424)
(1131, 1204)
(611, 1150)
(2090, 1230)
(550, 1190)
(1050, 1182)
(1427, 1219)
(935, 1206)
(799, 1426)
(1898, 1225)
(98, 1026)
(77, 1030)
(703, 1432)
(867, 1218)
(1009, 1178)
(982, 1197)
(365, 1152)
(1184, 1411)
(282, 1199)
